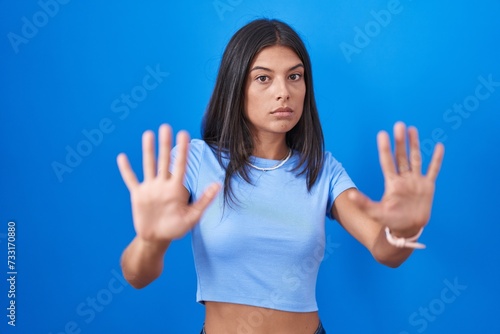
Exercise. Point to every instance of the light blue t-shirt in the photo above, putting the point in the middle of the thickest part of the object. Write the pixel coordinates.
(266, 250)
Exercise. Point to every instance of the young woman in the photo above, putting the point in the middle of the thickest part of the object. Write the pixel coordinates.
(258, 246)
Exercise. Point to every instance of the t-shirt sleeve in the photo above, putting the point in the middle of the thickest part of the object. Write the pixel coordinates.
(195, 153)
(339, 181)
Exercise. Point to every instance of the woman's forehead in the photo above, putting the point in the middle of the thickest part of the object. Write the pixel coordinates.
(276, 56)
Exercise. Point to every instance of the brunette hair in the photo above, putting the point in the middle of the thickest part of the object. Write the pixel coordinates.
(225, 127)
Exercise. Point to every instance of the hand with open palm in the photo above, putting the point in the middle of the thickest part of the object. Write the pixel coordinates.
(406, 204)
(160, 206)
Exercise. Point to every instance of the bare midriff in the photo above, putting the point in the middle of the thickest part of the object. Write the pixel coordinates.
(228, 318)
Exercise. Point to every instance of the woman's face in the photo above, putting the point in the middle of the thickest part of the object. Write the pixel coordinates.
(275, 91)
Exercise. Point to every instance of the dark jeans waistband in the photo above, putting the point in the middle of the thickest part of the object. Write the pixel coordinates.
(319, 330)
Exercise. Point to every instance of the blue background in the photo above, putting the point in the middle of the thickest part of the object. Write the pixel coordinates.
(64, 77)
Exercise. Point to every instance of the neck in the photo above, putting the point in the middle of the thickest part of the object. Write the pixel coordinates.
(270, 148)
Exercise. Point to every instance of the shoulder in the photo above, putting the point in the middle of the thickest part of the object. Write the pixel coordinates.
(198, 147)
(201, 152)
(329, 160)
(197, 143)
(332, 168)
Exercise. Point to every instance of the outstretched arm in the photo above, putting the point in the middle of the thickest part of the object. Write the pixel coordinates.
(160, 207)
(405, 207)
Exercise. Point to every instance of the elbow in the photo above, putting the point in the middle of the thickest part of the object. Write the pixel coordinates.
(136, 284)
(136, 281)
(390, 261)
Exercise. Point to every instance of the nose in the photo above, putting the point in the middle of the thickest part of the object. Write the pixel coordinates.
(282, 91)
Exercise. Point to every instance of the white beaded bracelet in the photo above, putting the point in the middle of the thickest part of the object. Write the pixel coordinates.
(404, 242)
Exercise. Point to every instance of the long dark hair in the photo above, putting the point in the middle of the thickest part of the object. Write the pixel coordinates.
(225, 127)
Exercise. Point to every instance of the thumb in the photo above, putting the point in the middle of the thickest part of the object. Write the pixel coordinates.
(365, 204)
(196, 209)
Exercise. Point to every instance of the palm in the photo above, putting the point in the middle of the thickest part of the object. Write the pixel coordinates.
(157, 212)
(407, 199)
(159, 204)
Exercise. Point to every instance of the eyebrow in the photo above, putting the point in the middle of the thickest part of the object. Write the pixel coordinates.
(269, 70)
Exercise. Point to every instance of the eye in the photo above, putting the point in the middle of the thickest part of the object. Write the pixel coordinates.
(262, 78)
(295, 76)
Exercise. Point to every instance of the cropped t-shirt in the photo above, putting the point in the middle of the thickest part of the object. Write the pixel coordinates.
(266, 250)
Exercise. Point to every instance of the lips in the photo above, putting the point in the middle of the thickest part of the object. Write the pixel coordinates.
(283, 111)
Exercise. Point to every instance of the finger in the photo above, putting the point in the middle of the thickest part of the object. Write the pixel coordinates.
(368, 206)
(385, 155)
(126, 172)
(165, 143)
(400, 148)
(415, 155)
(196, 209)
(182, 141)
(436, 161)
(148, 154)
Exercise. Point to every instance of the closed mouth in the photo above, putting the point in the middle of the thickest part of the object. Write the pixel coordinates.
(284, 110)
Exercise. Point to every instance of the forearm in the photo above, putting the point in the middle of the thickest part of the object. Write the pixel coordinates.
(370, 232)
(142, 261)
(388, 254)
